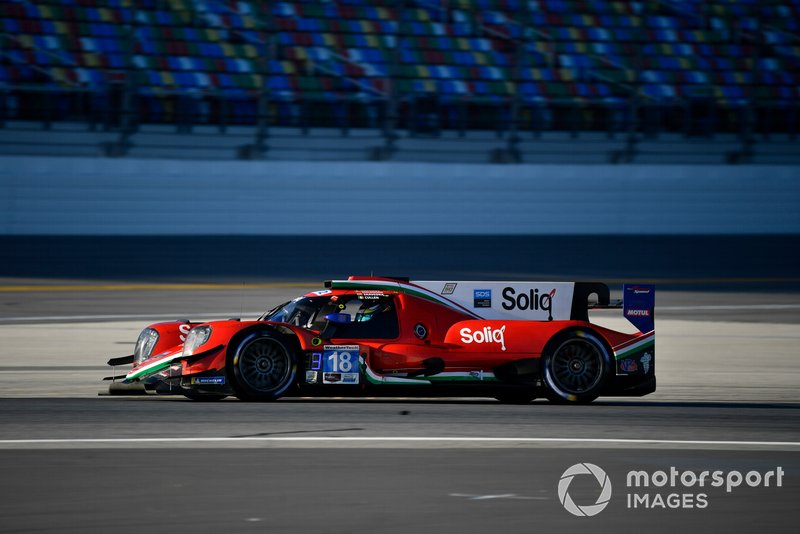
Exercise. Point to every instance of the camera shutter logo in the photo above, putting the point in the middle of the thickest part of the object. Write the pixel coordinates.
(566, 480)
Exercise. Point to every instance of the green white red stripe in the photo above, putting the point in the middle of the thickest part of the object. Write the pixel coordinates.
(448, 376)
(154, 367)
(629, 348)
(407, 288)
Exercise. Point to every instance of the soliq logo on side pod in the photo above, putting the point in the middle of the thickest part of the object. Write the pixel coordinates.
(485, 335)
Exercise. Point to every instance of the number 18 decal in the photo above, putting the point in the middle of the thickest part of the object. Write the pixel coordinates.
(340, 364)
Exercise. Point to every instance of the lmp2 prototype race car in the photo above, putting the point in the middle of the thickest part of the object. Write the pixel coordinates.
(375, 336)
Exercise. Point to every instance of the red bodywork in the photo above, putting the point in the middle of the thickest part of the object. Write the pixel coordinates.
(452, 335)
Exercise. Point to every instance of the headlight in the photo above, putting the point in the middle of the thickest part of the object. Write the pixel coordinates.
(196, 338)
(145, 344)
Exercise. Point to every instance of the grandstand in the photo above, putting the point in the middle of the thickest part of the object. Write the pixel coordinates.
(697, 81)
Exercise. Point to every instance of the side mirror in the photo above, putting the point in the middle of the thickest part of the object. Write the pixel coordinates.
(339, 318)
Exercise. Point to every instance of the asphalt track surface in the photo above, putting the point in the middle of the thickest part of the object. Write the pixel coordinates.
(350, 466)
(71, 461)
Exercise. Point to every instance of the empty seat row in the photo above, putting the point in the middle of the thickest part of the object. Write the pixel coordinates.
(579, 49)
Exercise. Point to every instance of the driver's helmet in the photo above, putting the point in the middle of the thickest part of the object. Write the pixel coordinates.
(368, 311)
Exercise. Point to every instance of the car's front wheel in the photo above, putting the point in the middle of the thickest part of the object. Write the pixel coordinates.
(262, 367)
(576, 366)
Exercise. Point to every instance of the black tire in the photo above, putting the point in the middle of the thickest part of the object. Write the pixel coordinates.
(261, 366)
(204, 398)
(576, 366)
(522, 397)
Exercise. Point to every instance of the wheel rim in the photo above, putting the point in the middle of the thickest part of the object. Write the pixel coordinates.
(264, 365)
(577, 366)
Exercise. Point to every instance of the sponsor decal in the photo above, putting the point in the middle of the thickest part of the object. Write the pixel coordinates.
(322, 292)
(214, 380)
(639, 306)
(341, 347)
(184, 330)
(485, 335)
(646, 359)
(340, 378)
(477, 375)
(311, 377)
(370, 294)
(449, 288)
(350, 378)
(340, 364)
(628, 365)
(532, 299)
(482, 298)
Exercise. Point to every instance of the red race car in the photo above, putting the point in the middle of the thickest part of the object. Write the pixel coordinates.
(513, 341)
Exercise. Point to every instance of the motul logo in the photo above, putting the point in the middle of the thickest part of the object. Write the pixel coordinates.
(638, 313)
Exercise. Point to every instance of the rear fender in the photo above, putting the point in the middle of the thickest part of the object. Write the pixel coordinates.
(605, 336)
(509, 337)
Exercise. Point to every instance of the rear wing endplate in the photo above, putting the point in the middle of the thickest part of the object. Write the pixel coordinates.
(637, 303)
(639, 306)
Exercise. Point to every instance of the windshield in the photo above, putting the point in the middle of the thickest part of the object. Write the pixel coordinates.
(368, 316)
(298, 312)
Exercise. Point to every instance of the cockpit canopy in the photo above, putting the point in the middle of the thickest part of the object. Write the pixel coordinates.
(356, 315)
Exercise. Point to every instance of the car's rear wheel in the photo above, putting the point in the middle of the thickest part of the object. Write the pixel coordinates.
(262, 366)
(576, 367)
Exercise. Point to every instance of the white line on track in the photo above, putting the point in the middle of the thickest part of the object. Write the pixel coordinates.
(513, 496)
(399, 439)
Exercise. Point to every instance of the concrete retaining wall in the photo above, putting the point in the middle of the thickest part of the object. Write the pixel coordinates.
(96, 196)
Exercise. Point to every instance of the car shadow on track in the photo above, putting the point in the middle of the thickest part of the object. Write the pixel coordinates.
(732, 405)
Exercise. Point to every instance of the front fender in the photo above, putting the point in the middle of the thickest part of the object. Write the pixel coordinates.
(227, 333)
